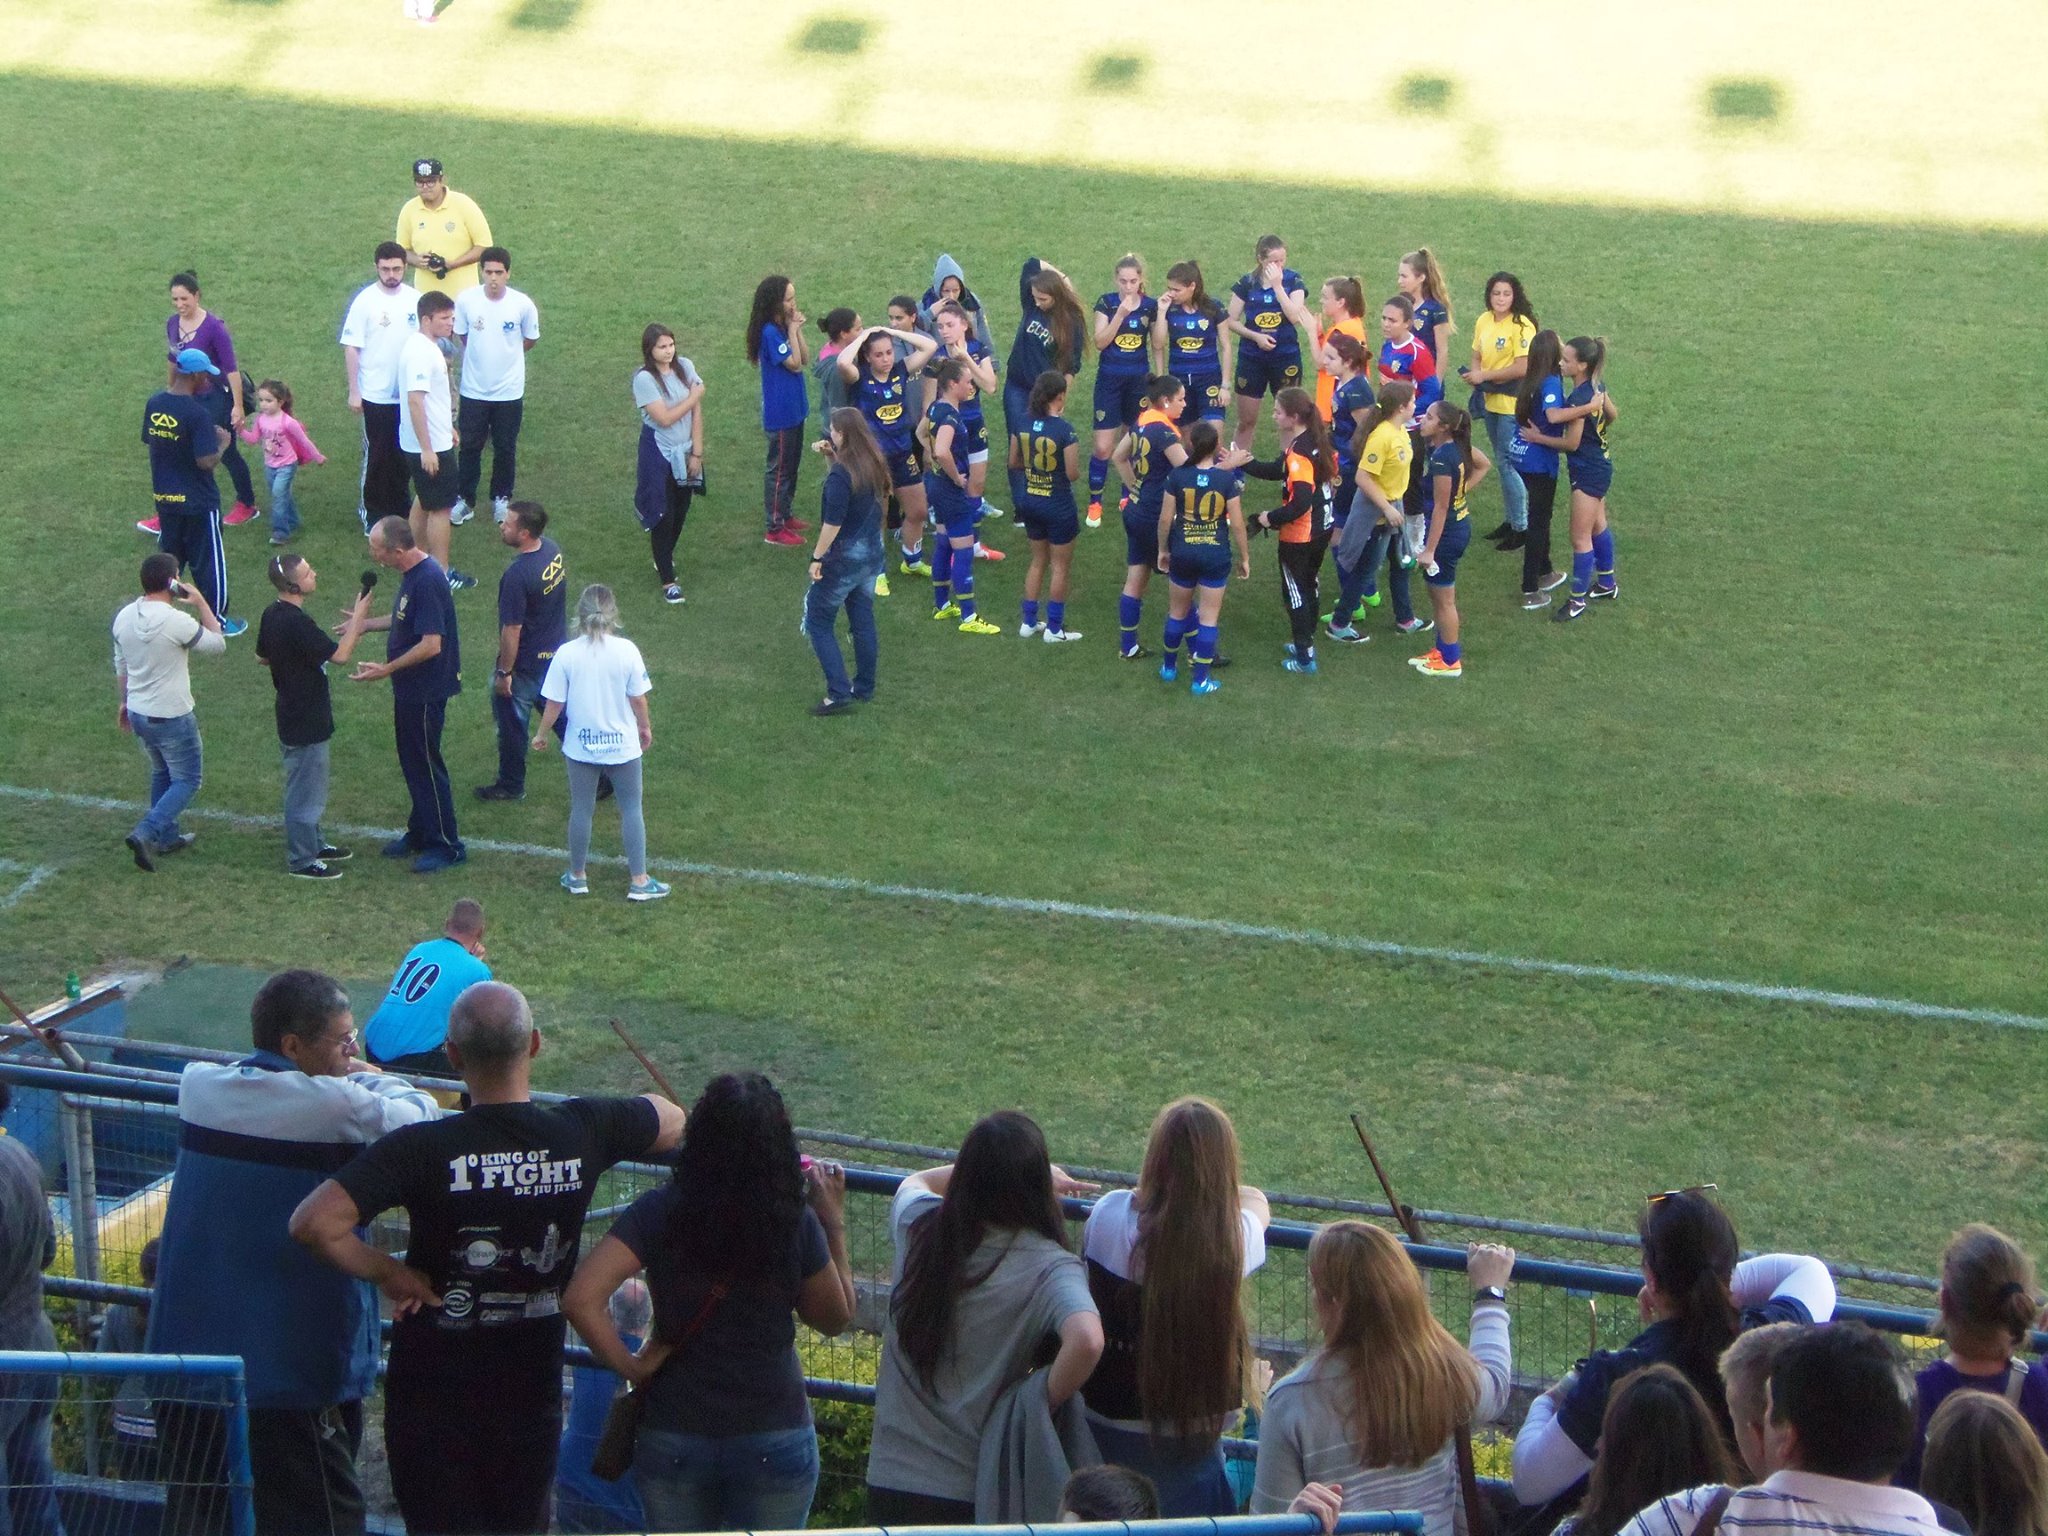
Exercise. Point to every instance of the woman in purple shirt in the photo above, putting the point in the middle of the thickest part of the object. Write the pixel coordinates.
(191, 325)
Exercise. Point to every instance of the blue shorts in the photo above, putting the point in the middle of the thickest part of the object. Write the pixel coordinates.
(1260, 372)
(906, 468)
(1204, 401)
(977, 439)
(1141, 536)
(949, 507)
(1118, 399)
(1050, 522)
(1591, 479)
(1450, 549)
(1200, 568)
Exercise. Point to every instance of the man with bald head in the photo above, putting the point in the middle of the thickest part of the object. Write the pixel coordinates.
(495, 1197)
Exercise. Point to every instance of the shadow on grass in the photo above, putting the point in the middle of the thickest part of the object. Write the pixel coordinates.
(541, 15)
(838, 37)
(1745, 103)
(1109, 74)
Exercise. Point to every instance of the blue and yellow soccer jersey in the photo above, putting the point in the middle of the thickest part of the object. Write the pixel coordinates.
(1429, 314)
(1446, 462)
(885, 403)
(1127, 351)
(970, 408)
(1351, 396)
(1592, 452)
(1043, 446)
(1499, 343)
(1154, 435)
(1194, 341)
(1262, 311)
(1201, 509)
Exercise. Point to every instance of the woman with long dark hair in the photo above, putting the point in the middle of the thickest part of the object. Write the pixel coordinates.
(1307, 469)
(191, 324)
(1696, 1298)
(1048, 340)
(1166, 1265)
(983, 1282)
(848, 560)
(1451, 468)
(668, 392)
(1500, 354)
(1657, 1437)
(883, 387)
(738, 1244)
(775, 344)
(1532, 454)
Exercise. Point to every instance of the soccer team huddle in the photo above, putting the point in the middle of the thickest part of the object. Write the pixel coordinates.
(1375, 469)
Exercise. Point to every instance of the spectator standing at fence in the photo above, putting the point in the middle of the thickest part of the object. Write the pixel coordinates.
(1984, 1462)
(28, 1246)
(254, 1138)
(153, 642)
(740, 1243)
(441, 232)
(982, 1281)
(1696, 1298)
(498, 325)
(1374, 1412)
(379, 319)
(124, 1330)
(495, 1198)
(532, 624)
(585, 1502)
(297, 650)
(409, 1030)
(1166, 1266)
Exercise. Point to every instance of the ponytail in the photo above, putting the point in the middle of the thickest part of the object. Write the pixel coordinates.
(1349, 292)
(1349, 349)
(1394, 394)
(1046, 388)
(1301, 405)
(1987, 1291)
(1423, 262)
(1689, 1249)
(1201, 441)
(1592, 352)
(1457, 424)
(1189, 274)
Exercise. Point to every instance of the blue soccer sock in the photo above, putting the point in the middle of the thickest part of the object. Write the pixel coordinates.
(942, 576)
(963, 580)
(1203, 652)
(1129, 610)
(1030, 612)
(1582, 572)
(1603, 556)
(1450, 650)
(1056, 617)
(1170, 640)
(1098, 477)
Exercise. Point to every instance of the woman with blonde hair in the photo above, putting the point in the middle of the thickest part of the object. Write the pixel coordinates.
(1166, 1266)
(1984, 1462)
(599, 682)
(1376, 1410)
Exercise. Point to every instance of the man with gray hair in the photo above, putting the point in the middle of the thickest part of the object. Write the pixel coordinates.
(495, 1198)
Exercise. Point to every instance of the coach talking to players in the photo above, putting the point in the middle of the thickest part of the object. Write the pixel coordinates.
(423, 659)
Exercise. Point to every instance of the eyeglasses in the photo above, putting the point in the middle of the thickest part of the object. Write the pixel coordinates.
(1673, 1194)
(347, 1042)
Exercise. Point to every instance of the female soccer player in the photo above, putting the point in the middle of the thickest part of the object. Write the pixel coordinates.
(1500, 356)
(1049, 456)
(775, 344)
(1540, 394)
(1384, 457)
(1200, 499)
(1352, 399)
(1123, 336)
(1454, 467)
(881, 385)
(1144, 460)
(1269, 309)
(957, 339)
(1422, 280)
(1192, 331)
(945, 488)
(1343, 315)
(1403, 356)
(1589, 411)
(1049, 330)
(1307, 468)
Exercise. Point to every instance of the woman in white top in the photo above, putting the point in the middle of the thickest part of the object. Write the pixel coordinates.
(1372, 1416)
(600, 683)
(1166, 1266)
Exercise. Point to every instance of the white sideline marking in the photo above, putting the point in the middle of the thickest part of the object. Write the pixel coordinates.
(32, 875)
(1129, 917)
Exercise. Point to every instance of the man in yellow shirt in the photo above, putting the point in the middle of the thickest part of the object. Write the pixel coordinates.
(443, 232)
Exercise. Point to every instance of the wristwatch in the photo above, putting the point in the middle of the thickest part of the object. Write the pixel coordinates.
(499, 672)
(1487, 1293)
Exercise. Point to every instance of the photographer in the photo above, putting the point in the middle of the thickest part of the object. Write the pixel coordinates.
(152, 641)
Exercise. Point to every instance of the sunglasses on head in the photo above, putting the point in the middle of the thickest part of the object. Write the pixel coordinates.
(1690, 1189)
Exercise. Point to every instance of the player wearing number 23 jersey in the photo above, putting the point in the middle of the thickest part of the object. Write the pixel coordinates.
(413, 1018)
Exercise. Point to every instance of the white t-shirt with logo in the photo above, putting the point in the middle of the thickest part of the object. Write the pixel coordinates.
(422, 367)
(593, 680)
(495, 337)
(378, 322)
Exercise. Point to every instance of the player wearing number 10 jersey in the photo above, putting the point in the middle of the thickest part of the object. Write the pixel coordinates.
(410, 1027)
(1201, 500)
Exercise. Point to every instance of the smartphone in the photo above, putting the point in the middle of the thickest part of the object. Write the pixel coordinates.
(178, 590)
(805, 1162)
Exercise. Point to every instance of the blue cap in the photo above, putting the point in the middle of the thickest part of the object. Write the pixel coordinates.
(192, 360)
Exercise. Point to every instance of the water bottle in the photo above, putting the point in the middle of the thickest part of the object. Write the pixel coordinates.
(71, 989)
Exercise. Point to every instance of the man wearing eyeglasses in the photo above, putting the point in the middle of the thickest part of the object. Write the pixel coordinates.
(255, 1137)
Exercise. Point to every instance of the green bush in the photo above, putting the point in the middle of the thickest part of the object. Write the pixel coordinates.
(844, 1429)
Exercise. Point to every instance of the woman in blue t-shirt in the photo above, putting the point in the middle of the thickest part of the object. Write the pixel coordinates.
(739, 1240)
(1539, 396)
(775, 344)
(848, 560)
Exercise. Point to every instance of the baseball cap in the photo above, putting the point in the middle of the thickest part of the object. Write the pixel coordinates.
(422, 169)
(192, 360)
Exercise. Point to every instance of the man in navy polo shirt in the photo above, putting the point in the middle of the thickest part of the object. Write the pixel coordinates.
(184, 444)
(423, 659)
(532, 624)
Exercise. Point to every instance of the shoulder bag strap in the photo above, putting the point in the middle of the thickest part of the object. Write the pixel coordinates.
(1710, 1518)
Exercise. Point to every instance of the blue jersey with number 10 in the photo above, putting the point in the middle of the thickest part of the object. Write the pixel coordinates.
(414, 1014)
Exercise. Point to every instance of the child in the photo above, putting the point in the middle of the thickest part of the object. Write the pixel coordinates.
(285, 448)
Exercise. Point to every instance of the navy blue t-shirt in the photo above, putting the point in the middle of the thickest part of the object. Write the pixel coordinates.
(1031, 353)
(858, 517)
(179, 431)
(1429, 314)
(1351, 396)
(1262, 311)
(534, 594)
(1592, 450)
(1192, 337)
(1044, 443)
(1127, 350)
(940, 487)
(885, 403)
(425, 607)
(783, 402)
(1201, 505)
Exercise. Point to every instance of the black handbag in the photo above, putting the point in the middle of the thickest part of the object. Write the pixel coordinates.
(619, 1440)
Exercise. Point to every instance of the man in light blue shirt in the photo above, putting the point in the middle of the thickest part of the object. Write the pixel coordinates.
(410, 1027)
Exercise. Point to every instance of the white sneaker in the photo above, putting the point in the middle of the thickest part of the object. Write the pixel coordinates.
(460, 513)
(500, 505)
(1061, 636)
(1026, 631)
(362, 516)
(990, 509)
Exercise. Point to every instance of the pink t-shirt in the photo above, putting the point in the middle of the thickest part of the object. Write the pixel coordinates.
(284, 440)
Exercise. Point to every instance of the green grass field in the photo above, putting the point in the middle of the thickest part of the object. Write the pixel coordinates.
(1805, 749)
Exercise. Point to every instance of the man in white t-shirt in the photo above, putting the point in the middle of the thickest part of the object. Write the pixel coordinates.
(379, 319)
(498, 325)
(153, 643)
(426, 432)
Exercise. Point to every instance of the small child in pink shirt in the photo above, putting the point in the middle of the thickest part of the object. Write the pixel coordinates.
(285, 447)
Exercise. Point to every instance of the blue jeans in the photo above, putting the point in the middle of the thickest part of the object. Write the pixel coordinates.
(760, 1482)
(1189, 1476)
(172, 750)
(28, 1500)
(852, 587)
(514, 717)
(221, 403)
(1503, 430)
(284, 506)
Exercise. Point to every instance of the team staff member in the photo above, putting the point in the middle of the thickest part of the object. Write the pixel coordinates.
(495, 1198)
(533, 621)
(1307, 468)
(153, 644)
(442, 232)
(1201, 497)
(1500, 357)
(184, 445)
(1268, 308)
(423, 658)
(410, 1027)
(379, 319)
(1192, 333)
(1049, 455)
(849, 561)
(426, 432)
(775, 345)
(498, 325)
(1144, 459)
(1453, 468)
(297, 651)
(1048, 339)
(1123, 346)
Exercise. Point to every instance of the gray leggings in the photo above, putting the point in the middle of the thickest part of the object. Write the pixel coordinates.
(625, 779)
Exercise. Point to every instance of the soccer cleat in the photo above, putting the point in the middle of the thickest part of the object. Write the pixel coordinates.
(1295, 664)
(653, 890)
(881, 583)
(1205, 687)
(1135, 653)
(1095, 513)
(1552, 582)
(1605, 594)
(1416, 626)
(1531, 601)
(914, 566)
(1434, 665)
(1348, 634)
(1219, 663)
(460, 581)
(979, 626)
(1432, 654)
(277, 539)
(316, 871)
(1569, 611)
(153, 526)
(240, 513)
(671, 593)
(983, 552)
(783, 538)
(1061, 636)
(575, 885)
(498, 792)
(990, 509)
(500, 506)
(460, 513)
(947, 611)
(144, 851)
(1329, 616)
(229, 628)
(1169, 672)
(1026, 631)
(329, 854)
(1372, 599)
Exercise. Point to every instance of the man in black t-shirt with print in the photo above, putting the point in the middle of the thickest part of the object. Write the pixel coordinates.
(297, 650)
(495, 1197)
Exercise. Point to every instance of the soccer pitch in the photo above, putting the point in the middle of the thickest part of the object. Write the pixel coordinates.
(1804, 751)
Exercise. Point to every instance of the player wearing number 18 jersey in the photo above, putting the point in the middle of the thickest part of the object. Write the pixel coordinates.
(1049, 456)
(410, 1027)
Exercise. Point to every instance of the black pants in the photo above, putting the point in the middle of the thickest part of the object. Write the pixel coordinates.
(663, 535)
(417, 727)
(481, 1473)
(1536, 550)
(498, 420)
(778, 477)
(303, 1462)
(1299, 565)
(221, 402)
(387, 487)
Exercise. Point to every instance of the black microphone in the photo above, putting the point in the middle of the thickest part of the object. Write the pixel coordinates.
(369, 581)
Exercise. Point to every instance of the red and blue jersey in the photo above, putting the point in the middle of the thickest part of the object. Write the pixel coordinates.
(1412, 361)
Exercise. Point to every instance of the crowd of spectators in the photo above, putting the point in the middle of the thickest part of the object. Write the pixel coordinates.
(1021, 1377)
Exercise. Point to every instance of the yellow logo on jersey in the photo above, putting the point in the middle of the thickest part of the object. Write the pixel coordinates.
(1189, 343)
(551, 576)
(163, 419)
(1271, 320)
(1129, 341)
(887, 413)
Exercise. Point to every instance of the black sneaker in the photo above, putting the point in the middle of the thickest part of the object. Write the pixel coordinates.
(498, 792)
(1598, 595)
(826, 707)
(316, 871)
(460, 581)
(329, 854)
(1502, 531)
(1569, 611)
(144, 851)
(1136, 653)
(1514, 540)
(1219, 663)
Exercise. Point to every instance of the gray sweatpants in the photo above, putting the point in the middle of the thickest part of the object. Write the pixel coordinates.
(305, 802)
(625, 779)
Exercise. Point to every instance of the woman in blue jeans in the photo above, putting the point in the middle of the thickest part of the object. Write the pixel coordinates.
(848, 559)
(741, 1242)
